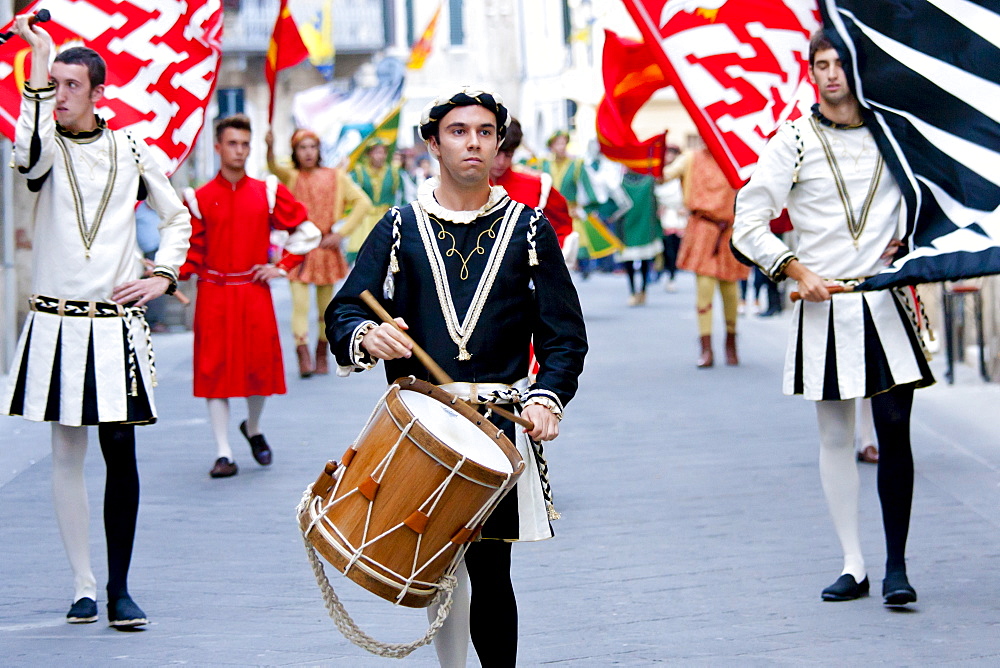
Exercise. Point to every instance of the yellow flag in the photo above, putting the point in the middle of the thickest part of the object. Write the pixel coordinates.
(422, 47)
(385, 132)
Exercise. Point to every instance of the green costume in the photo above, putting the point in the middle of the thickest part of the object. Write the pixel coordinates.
(385, 188)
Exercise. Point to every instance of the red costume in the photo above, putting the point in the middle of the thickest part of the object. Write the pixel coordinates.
(526, 186)
(237, 352)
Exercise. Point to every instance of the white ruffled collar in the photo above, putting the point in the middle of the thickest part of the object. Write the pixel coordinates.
(426, 199)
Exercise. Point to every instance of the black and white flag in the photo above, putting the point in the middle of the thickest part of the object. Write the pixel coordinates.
(927, 74)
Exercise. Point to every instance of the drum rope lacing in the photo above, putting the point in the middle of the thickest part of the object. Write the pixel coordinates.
(349, 628)
(380, 471)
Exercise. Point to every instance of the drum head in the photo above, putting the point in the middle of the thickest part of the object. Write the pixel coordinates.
(456, 431)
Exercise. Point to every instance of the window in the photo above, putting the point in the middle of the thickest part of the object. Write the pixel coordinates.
(231, 101)
(411, 36)
(567, 23)
(455, 22)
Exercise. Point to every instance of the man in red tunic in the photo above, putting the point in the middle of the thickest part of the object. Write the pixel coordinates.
(237, 352)
(531, 188)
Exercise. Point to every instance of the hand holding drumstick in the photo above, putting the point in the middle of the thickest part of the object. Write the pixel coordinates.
(390, 341)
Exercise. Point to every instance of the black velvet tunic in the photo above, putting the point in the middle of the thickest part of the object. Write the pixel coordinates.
(525, 302)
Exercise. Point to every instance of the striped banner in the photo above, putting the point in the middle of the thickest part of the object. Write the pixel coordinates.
(927, 76)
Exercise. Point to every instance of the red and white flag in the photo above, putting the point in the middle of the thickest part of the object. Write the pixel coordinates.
(740, 68)
(162, 55)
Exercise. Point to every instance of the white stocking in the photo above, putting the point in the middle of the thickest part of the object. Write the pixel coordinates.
(255, 407)
(452, 641)
(218, 415)
(838, 471)
(865, 425)
(69, 494)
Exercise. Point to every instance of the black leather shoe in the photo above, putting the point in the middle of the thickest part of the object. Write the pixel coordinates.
(123, 613)
(224, 468)
(896, 590)
(846, 588)
(83, 611)
(258, 446)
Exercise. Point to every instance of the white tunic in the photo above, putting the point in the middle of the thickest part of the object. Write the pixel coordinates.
(842, 226)
(84, 246)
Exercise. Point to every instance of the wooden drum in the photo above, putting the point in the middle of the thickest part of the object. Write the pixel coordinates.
(397, 512)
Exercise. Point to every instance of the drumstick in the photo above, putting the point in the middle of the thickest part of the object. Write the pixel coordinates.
(832, 289)
(181, 297)
(439, 374)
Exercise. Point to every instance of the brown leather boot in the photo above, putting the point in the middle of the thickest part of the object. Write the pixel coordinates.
(305, 362)
(732, 359)
(706, 360)
(322, 349)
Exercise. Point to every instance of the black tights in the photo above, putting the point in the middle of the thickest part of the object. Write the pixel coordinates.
(891, 412)
(121, 502)
(493, 609)
(644, 266)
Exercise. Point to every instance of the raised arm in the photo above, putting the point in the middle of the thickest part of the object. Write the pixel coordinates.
(34, 146)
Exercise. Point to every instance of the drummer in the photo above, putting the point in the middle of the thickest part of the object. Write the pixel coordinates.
(473, 277)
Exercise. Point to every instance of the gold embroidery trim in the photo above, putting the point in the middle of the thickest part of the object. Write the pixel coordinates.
(461, 333)
(89, 232)
(855, 225)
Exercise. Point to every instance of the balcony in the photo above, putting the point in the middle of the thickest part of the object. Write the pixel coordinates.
(359, 26)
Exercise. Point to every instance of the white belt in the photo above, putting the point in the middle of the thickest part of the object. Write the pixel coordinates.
(481, 393)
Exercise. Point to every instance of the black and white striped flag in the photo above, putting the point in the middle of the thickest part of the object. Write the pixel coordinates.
(927, 74)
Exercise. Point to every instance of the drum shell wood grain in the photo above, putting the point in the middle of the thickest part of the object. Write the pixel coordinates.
(421, 463)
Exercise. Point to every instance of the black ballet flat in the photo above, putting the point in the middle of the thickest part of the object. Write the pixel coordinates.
(846, 588)
(83, 611)
(896, 590)
(124, 614)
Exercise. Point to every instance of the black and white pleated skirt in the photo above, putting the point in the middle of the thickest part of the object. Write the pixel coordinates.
(857, 344)
(82, 368)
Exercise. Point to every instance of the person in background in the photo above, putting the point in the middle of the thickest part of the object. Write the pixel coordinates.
(640, 233)
(529, 187)
(385, 184)
(572, 178)
(705, 249)
(334, 203)
(673, 219)
(237, 350)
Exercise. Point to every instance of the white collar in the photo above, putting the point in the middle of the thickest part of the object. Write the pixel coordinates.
(426, 199)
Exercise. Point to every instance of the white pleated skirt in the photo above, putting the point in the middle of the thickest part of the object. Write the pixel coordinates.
(81, 371)
(857, 344)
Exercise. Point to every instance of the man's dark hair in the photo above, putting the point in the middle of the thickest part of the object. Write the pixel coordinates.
(80, 55)
(237, 122)
(818, 42)
(513, 138)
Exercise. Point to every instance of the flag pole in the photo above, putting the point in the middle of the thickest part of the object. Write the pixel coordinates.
(8, 297)
(9, 332)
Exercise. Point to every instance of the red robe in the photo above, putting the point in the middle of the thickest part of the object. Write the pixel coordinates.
(525, 186)
(237, 351)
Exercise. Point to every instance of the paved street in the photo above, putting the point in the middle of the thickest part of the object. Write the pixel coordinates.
(694, 527)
